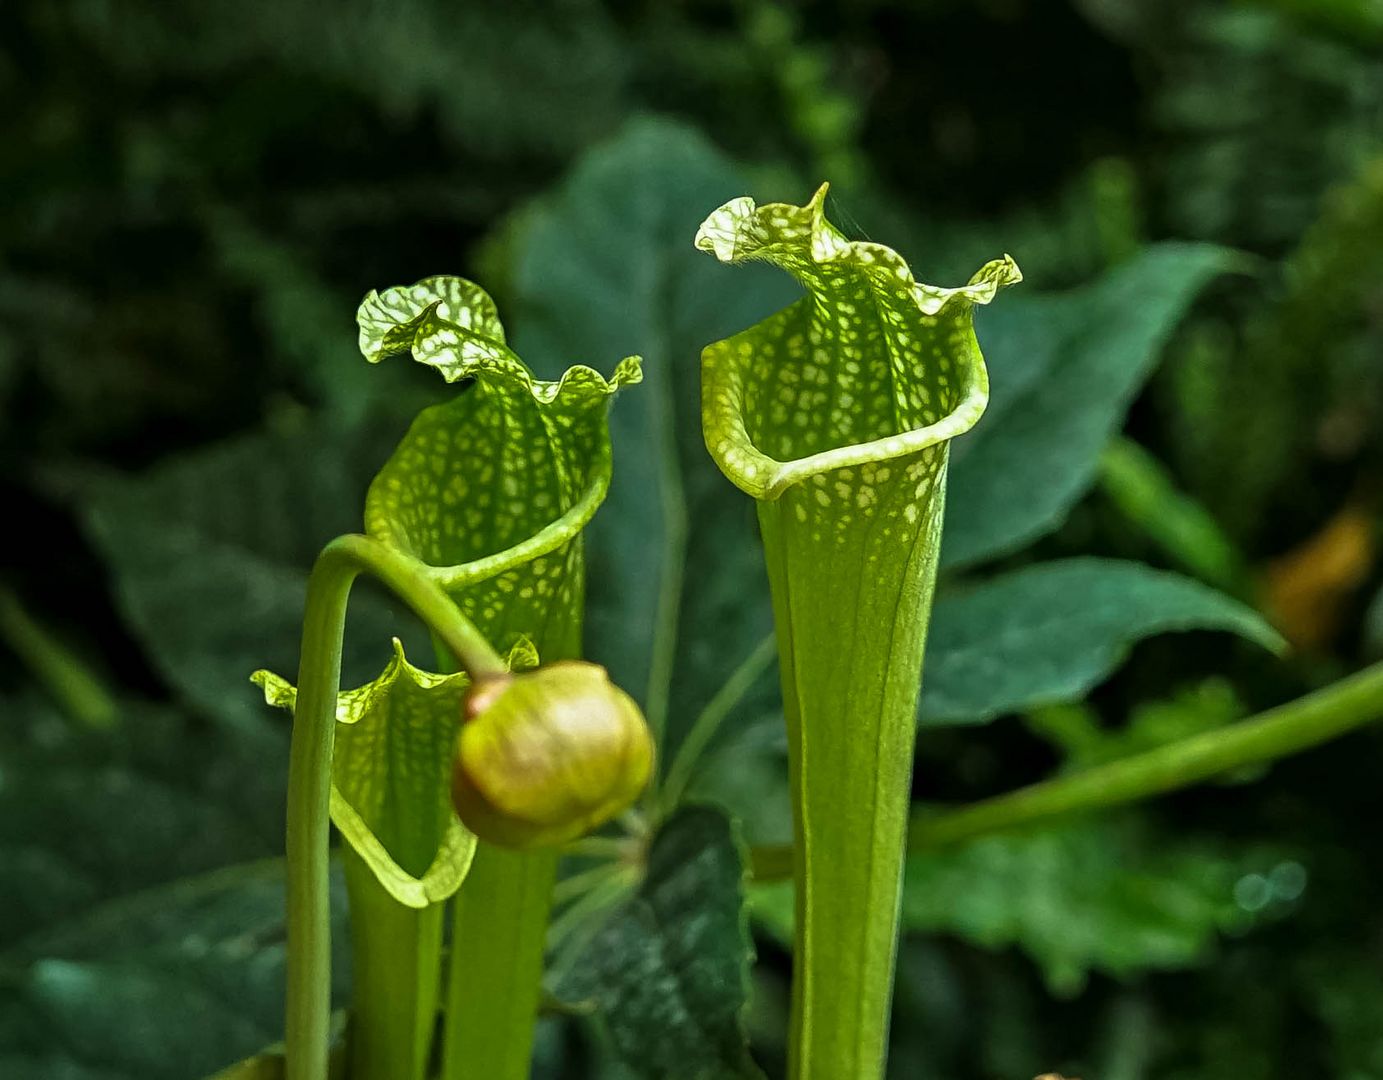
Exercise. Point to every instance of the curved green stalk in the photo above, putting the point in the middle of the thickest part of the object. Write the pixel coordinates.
(835, 414)
(308, 1006)
(1287, 729)
(709, 721)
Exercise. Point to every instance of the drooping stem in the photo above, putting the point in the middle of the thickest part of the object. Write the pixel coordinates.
(1287, 729)
(308, 1006)
(495, 985)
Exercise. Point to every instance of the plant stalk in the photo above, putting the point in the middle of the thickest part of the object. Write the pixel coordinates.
(1286, 729)
(495, 985)
(396, 956)
(851, 611)
(308, 1006)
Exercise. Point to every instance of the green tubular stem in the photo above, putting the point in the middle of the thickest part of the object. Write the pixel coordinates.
(308, 1005)
(850, 647)
(1287, 729)
(397, 966)
(495, 985)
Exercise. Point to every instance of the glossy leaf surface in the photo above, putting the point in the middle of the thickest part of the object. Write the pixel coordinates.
(1064, 369)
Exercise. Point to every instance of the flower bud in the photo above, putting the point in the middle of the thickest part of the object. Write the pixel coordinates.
(546, 755)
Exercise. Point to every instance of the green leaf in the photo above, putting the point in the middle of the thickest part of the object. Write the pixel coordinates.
(1064, 369)
(669, 970)
(85, 816)
(835, 414)
(1146, 493)
(391, 776)
(1050, 632)
(601, 267)
(1107, 895)
(167, 984)
(211, 552)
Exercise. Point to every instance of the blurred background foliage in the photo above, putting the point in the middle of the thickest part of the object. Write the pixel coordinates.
(195, 196)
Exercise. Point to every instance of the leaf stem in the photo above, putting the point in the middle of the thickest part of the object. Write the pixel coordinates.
(308, 1006)
(704, 728)
(1287, 729)
(75, 687)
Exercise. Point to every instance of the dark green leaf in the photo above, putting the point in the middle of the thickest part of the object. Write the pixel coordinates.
(1099, 895)
(170, 984)
(669, 971)
(1111, 896)
(1063, 370)
(211, 554)
(1048, 633)
(85, 816)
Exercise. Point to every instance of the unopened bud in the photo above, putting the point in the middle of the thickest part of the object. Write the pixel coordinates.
(546, 755)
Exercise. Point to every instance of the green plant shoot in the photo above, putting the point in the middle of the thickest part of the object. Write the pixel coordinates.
(483, 503)
(835, 414)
